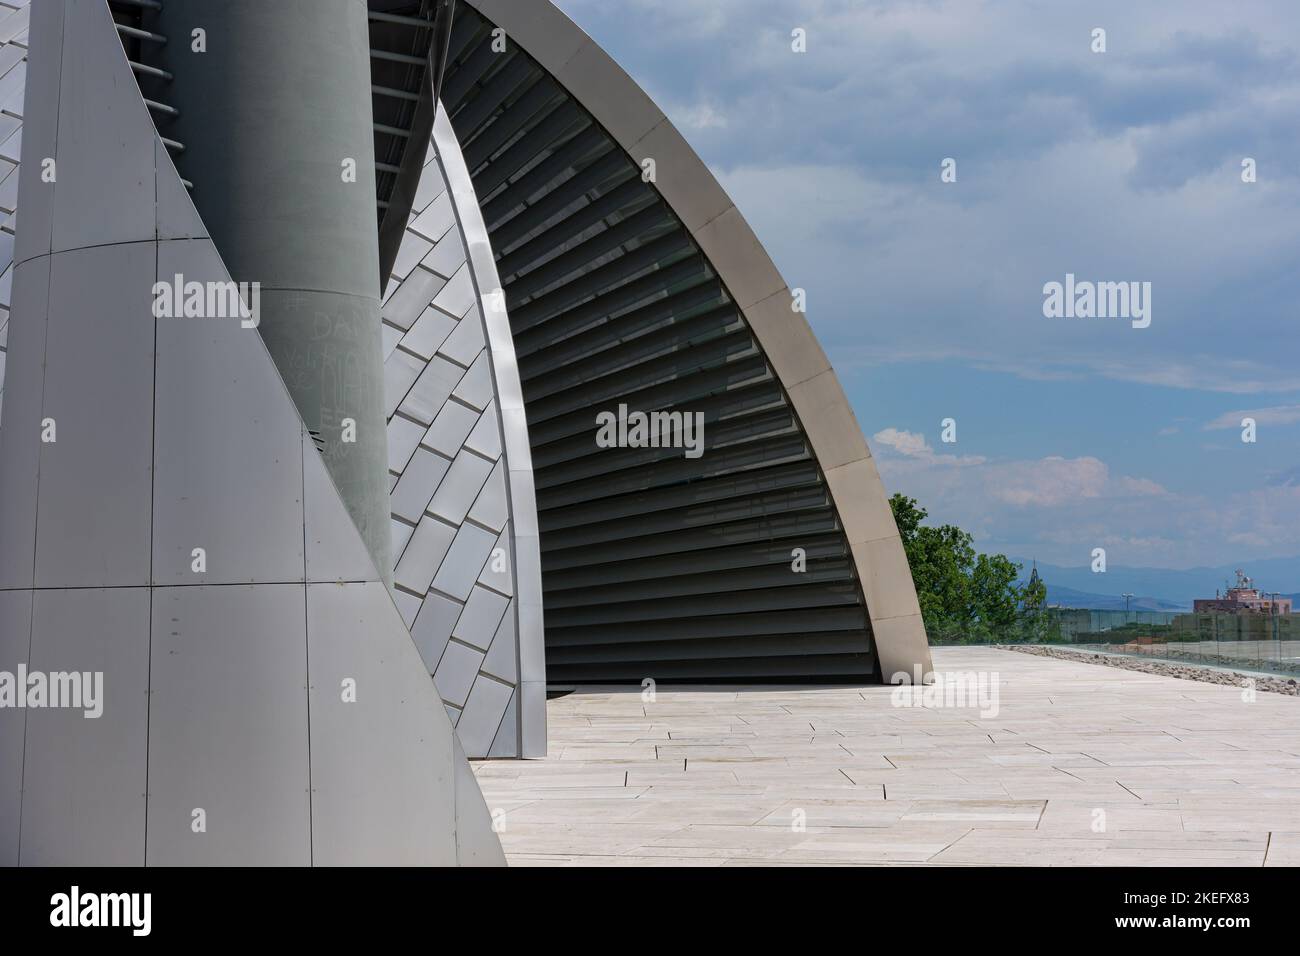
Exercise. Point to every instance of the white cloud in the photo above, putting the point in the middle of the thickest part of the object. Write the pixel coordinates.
(1043, 482)
(1122, 167)
(1048, 481)
(1139, 486)
(1060, 508)
(700, 116)
(914, 445)
(904, 442)
(953, 279)
(1276, 415)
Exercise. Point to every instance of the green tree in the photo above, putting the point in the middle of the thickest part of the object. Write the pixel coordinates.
(940, 559)
(1035, 594)
(995, 598)
(963, 595)
(1036, 625)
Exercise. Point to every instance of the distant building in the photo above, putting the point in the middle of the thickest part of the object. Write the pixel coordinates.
(1035, 594)
(1244, 598)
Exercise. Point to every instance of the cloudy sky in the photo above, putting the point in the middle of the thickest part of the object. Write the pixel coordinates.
(1117, 166)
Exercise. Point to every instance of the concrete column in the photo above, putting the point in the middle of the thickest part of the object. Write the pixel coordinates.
(274, 110)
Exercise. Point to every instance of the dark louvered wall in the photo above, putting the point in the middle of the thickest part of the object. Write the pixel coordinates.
(654, 565)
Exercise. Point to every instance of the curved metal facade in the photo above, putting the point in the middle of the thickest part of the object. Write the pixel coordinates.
(262, 133)
(656, 565)
(14, 18)
(561, 253)
(263, 705)
(494, 675)
(462, 530)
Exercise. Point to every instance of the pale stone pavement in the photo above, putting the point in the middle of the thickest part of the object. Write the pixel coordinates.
(1186, 773)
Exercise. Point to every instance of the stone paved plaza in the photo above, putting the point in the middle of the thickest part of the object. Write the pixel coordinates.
(1081, 765)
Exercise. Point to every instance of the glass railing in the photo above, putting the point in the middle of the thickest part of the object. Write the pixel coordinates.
(1261, 643)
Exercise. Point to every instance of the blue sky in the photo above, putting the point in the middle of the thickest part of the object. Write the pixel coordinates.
(1116, 166)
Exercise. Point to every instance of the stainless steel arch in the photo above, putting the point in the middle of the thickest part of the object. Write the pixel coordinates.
(549, 138)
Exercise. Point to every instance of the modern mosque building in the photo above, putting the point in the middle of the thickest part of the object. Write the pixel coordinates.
(367, 367)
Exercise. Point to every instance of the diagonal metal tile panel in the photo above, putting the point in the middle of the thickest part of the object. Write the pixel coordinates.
(14, 17)
(462, 573)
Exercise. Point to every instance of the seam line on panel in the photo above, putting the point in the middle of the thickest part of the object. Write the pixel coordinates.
(219, 584)
(488, 675)
(22, 776)
(514, 691)
(306, 640)
(153, 491)
(105, 245)
(45, 346)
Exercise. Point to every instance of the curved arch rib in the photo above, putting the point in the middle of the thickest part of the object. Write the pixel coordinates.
(594, 262)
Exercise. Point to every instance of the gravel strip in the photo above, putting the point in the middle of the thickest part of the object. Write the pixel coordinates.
(1276, 685)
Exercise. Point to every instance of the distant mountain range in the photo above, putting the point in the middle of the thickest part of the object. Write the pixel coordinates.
(1159, 589)
(1069, 597)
